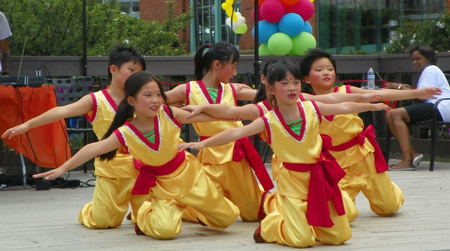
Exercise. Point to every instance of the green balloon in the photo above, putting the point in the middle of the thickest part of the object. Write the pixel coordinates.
(264, 51)
(241, 29)
(279, 44)
(302, 43)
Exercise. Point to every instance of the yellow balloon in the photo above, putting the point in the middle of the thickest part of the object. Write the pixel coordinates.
(228, 8)
(312, 1)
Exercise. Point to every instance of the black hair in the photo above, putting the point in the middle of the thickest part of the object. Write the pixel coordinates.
(425, 51)
(261, 94)
(221, 51)
(277, 72)
(125, 111)
(121, 54)
(311, 57)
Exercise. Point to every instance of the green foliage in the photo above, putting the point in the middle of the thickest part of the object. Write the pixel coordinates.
(54, 28)
(434, 33)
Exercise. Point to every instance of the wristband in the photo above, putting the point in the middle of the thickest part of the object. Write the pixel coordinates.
(399, 87)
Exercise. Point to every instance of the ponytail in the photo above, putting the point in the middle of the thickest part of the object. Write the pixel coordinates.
(208, 53)
(124, 112)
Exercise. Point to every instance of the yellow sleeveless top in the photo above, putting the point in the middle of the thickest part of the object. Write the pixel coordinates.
(102, 114)
(291, 148)
(196, 94)
(167, 137)
(342, 128)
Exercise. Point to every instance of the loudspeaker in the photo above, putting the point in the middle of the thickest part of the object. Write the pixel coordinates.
(42, 185)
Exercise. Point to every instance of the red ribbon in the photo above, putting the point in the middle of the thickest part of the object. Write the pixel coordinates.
(147, 174)
(323, 186)
(380, 164)
(244, 148)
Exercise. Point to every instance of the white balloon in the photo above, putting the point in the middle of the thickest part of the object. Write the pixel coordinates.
(235, 26)
(228, 22)
(240, 20)
(238, 14)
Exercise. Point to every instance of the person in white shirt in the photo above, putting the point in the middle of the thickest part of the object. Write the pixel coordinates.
(423, 60)
(5, 33)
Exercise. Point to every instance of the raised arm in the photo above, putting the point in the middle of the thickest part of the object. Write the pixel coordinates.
(226, 136)
(246, 112)
(82, 156)
(349, 108)
(392, 94)
(177, 96)
(82, 106)
(333, 98)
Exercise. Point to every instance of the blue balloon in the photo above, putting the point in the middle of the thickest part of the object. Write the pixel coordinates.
(291, 24)
(307, 27)
(265, 31)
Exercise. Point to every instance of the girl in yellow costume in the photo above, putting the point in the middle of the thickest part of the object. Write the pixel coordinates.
(229, 165)
(307, 192)
(354, 148)
(174, 180)
(261, 106)
(116, 178)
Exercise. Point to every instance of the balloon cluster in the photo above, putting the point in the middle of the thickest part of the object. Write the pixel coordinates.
(235, 20)
(284, 28)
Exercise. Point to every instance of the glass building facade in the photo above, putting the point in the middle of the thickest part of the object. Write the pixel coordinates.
(211, 23)
(368, 25)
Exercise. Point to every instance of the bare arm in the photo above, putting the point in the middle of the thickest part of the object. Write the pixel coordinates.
(246, 112)
(82, 106)
(388, 94)
(349, 108)
(226, 136)
(85, 154)
(333, 98)
(176, 96)
(4, 51)
(246, 94)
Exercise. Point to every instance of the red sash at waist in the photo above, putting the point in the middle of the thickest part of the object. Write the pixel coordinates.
(380, 163)
(323, 186)
(147, 174)
(244, 148)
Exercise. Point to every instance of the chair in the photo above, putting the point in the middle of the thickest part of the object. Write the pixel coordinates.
(67, 91)
(434, 126)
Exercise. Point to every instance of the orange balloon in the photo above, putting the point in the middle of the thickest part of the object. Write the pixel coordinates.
(261, 1)
(289, 2)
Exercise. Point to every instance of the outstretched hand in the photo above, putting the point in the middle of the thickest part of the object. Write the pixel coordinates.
(370, 97)
(194, 109)
(17, 130)
(380, 107)
(240, 87)
(191, 145)
(50, 175)
(429, 93)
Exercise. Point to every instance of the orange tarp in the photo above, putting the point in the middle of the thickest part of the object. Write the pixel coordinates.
(46, 146)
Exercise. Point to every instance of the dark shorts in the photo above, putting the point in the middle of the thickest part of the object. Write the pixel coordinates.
(421, 112)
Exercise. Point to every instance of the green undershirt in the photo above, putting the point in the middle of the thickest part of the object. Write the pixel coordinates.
(150, 137)
(296, 126)
(213, 93)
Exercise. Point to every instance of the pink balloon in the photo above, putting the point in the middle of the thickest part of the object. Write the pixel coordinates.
(260, 17)
(305, 8)
(272, 11)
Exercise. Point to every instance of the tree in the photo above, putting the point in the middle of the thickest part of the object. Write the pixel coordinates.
(54, 28)
(434, 33)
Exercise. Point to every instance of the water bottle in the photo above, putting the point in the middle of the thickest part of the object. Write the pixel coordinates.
(370, 79)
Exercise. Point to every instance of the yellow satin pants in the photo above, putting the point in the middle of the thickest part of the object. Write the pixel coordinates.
(110, 203)
(239, 185)
(161, 218)
(287, 225)
(384, 196)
